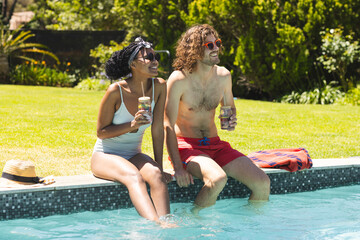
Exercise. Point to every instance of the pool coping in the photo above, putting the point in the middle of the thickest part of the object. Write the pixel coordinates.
(76, 181)
(70, 194)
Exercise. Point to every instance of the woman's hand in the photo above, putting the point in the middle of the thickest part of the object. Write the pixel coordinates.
(142, 117)
(168, 177)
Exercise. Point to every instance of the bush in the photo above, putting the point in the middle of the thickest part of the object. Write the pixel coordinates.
(103, 52)
(35, 73)
(338, 52)
(351, 97)
(93, 84)
(325, 95)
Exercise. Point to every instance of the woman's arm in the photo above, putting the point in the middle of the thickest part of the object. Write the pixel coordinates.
(108, 106)
(157, 127)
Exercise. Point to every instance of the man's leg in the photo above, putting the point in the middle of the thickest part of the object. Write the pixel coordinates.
(245, 171)
(213, 176)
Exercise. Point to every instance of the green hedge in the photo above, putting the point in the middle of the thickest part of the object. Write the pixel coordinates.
(271, 46)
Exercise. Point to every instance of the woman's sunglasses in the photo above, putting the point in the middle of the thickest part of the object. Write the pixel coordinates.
(211, 45)
(152, 57)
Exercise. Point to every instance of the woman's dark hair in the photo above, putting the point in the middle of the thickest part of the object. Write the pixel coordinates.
(119, 63)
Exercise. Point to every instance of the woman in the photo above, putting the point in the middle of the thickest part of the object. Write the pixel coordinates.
(117, 153)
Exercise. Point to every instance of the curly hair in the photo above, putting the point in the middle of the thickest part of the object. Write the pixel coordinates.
(118, 64)
(189, 47)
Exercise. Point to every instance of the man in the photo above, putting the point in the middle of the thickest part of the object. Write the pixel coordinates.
(195, 89)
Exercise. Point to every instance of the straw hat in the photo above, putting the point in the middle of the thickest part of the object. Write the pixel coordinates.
(19, 173)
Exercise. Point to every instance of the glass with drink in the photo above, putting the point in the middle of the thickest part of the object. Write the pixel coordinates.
(145, 104)
(225, 114)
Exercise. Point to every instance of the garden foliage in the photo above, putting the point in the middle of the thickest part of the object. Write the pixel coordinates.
(272, 47)
(338, 53)
(75, 15)
(352, 97)
(37, 73)
(16, 44)
(328, 94)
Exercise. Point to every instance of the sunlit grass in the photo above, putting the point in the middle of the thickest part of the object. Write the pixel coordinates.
(56, 128)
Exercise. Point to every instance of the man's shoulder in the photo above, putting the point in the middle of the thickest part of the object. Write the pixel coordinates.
(222, 71)
(177, 76)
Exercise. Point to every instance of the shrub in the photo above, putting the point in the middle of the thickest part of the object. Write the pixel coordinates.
(93, 84)
(103, 52)
(35, 73)
(351, 97)
(338, 52)
(15, 44)
(328, 94)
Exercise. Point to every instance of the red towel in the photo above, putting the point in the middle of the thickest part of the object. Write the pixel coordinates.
(292, 159)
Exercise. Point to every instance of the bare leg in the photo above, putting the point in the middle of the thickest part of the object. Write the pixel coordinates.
(212, 175)
(118, 169)
(152, 174)
(245, 171)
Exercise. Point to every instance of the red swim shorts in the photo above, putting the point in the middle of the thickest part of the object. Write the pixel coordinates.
(220, 151)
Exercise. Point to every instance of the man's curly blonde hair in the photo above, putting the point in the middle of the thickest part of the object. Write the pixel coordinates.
(189, 48)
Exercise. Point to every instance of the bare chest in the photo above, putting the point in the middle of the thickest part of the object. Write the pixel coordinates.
(203, 98)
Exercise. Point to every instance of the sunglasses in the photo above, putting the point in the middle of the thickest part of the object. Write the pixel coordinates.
(152, 57)
(211, 45)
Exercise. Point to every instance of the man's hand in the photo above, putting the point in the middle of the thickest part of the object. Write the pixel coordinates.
(183, 178)
(232, 122)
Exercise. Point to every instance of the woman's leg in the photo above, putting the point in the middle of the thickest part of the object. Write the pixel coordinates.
(152, 174)
(115, 168)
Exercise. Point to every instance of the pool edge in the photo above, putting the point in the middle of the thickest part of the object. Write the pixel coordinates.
(71, 194)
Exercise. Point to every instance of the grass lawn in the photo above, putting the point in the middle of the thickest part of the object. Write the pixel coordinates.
(56, 128)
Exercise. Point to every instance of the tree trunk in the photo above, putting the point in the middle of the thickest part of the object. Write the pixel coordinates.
(4, 68)
(4, 10)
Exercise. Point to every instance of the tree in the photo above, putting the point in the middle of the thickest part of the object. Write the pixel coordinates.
(76, 15)
(270, 45)
(7, 11)
(157, 20)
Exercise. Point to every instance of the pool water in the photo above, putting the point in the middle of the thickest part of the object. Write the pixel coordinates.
(324, 214)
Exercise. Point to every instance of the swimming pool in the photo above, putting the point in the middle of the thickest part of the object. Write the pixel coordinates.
(324, 214)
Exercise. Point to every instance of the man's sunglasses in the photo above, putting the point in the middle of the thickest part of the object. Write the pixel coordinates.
(211, 45)
(152, 57)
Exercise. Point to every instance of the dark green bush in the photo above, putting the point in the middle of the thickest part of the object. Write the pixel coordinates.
(328, 94)
(36, 73)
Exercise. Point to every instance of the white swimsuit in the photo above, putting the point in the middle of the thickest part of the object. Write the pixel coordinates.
(126, 145)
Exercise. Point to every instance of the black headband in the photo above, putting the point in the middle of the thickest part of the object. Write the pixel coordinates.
(140, 44)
